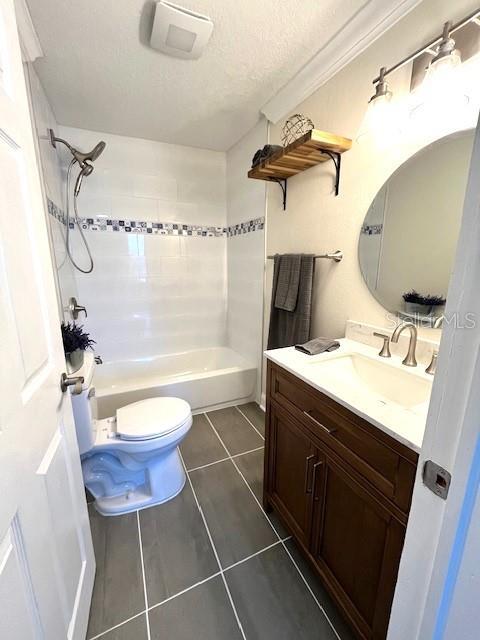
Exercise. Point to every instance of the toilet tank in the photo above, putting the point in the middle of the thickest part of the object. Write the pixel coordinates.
(83, 406)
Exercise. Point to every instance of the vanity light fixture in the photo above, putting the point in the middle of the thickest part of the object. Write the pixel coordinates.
(442, 48)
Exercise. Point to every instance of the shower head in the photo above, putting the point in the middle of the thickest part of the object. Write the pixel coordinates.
(84, 159)
(81, 157)
(90, 156)
(86, 170)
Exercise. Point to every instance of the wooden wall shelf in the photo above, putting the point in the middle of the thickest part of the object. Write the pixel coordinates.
(311, 149)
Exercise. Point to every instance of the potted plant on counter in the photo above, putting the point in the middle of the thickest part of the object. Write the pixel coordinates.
(417, 303)
(75, 342)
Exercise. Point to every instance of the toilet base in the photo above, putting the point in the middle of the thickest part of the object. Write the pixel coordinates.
(118, 490)
(137, 500)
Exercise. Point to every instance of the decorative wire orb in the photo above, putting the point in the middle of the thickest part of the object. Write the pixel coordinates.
(295, 127)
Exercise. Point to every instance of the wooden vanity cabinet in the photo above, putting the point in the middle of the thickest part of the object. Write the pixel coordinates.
(343, 489)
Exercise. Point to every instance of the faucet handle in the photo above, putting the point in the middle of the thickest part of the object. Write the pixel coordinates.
(76, 308)
(432, 367)
(385, 350)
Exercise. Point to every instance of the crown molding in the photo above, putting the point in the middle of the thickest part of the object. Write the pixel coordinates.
(31, 47)
(369, 23)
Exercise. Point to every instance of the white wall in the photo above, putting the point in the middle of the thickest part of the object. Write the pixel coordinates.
(316, 220)
(246, 251)
(44, 119)
(151, 293)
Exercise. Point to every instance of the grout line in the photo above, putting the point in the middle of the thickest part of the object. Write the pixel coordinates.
(209, 464)
(237, 455)
(257, 553)
(218, 436)
(244, 453)
(276, 533)
(310, 589)
(120, 624)
(143, 575)
(214, 548)
(180, 593)
(249, 421)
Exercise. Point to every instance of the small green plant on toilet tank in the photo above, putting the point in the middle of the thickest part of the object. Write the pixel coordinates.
(422, 304)
(75, 342)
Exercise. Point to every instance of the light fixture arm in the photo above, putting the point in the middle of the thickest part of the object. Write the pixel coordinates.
(435, 42)
(447, 44)
(381, 89)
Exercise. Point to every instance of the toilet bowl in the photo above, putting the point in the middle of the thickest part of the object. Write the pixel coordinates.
(131, 460)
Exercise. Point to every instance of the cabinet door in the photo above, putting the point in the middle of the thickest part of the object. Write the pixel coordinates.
(357, 545)
(292, 460)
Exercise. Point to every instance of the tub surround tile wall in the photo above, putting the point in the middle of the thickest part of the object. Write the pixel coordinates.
(246, 251)
(178, 264)
(154, 217)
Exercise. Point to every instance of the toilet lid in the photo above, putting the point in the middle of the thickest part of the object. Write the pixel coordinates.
(151, 418)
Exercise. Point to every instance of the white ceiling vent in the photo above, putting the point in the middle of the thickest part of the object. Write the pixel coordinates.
(180, 32)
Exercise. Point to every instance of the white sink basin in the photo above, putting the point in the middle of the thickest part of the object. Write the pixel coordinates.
(356, 373)
(382, 390)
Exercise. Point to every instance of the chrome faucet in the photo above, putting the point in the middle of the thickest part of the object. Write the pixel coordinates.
(409, 360)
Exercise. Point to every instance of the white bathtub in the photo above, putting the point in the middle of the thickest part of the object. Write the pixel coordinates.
(205, 378)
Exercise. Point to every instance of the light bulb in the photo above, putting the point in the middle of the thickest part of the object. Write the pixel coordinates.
(440, 72)
(380, 120)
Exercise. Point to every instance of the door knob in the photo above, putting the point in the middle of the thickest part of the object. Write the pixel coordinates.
(76, 308)
(75, 381)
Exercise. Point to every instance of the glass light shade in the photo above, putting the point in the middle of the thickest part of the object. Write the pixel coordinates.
(440, 71)
(381, 122)
(441, 93)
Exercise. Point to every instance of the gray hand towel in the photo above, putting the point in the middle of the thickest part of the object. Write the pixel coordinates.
(290, 327)
(286, 294)
(317, 345)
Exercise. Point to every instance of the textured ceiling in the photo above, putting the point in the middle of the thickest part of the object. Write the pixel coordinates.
(100, 74)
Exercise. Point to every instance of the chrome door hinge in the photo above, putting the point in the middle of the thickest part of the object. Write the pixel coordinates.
(436, 478)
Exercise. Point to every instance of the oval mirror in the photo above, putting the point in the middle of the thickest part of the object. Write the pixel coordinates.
(408, 238)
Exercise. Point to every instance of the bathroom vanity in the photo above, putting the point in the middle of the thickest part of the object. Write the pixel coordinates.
(340, 464)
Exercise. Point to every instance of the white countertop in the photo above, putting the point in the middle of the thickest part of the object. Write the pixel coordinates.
(387, 394)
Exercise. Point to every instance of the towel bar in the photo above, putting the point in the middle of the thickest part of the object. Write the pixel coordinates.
(336, 256)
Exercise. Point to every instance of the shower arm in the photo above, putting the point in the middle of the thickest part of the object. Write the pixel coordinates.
(54, 140)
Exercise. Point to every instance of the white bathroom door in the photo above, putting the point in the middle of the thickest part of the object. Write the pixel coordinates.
(438, 590)
(46, 556)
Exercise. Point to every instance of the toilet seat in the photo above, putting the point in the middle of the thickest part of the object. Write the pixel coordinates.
(151, 418)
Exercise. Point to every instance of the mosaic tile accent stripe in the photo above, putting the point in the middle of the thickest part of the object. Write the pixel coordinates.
(56, 212)
(372, 229)
(101, 223)
(246, 227)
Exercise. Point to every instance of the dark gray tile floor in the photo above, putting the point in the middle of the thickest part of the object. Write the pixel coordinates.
(216, 566)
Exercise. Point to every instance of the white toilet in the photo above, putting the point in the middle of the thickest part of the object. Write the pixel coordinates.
(130, 461)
